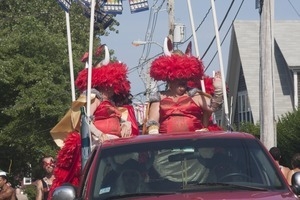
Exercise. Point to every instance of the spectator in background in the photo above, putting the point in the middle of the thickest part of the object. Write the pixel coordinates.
(6, 191)
(43, 185)
(276, 154)
(21, 195)
(295, 162)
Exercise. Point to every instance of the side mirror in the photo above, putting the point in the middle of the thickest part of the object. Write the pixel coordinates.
(66, 192)
(296, 183)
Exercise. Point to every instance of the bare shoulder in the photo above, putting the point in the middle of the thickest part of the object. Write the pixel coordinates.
(11, 190)
(7, 192)
(286, 169)
(291, 172)
(39, 183)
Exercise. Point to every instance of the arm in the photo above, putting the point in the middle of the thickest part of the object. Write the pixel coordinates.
(217, 99)
(285, 171)
(153, 121)
(289, 177)
(206, 118)
(96, 133)
(210, 104)
(14, 195)
(125, 129)
(204, 103)
(39, 190)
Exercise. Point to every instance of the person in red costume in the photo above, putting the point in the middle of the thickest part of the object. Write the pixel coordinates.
(110, 95)
(179, 109)
(110, 88)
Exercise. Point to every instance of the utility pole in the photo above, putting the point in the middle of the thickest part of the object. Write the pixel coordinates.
(266, 92)
(151, 84)
(171, 19)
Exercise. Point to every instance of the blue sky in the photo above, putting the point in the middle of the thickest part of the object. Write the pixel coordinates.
(134, 27)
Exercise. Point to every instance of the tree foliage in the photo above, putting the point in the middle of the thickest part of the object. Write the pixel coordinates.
(248, 127)
(288, 135)
(35, 76)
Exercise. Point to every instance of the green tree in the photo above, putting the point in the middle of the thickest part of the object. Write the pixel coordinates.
(288, 136)
(248, 127)
(35, 75)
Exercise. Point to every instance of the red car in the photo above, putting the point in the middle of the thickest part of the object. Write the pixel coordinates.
(202, 165)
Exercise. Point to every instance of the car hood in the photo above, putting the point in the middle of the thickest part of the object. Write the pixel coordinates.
(228, 195)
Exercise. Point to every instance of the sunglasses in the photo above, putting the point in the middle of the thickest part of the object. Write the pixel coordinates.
(51, 163)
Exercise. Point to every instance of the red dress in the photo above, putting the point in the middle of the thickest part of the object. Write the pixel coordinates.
(107, 118)
(132, 119)
(180, 116)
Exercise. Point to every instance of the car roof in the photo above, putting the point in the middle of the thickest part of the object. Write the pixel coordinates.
(175, 136)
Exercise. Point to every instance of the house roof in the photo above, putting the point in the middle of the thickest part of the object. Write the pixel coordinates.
(287, 35)
(244, 52)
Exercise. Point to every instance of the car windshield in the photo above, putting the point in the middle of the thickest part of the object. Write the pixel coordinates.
(164, 167)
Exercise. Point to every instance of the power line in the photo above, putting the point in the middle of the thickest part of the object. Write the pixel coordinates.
(294, 8)
(149, 59)
(202, 21)
(148, 37)
(212, 41)
(225, 34)
(204, 18)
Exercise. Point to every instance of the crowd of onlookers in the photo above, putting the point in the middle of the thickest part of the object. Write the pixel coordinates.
(7, 192)
(286, 171)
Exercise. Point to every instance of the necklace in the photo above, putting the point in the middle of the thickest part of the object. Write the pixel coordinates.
(47, 183)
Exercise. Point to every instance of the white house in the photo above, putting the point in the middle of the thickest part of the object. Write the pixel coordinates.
(243, 70)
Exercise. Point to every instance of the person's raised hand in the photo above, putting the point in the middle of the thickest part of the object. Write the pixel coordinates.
(217, 82)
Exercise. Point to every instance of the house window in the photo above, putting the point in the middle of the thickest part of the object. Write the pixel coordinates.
(244, 109)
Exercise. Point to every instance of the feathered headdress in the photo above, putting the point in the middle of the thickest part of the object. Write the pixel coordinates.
(173, 66)
(105, 74)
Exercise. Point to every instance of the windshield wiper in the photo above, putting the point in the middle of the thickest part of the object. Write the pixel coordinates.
(138, 194)
(218, 184)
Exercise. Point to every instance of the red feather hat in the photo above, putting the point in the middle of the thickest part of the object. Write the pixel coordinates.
(105, 74)
(174, 66)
